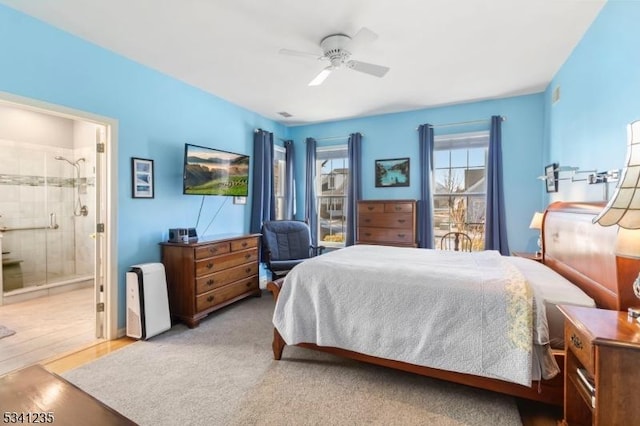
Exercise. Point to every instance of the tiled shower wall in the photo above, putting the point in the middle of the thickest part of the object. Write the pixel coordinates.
(34, 186)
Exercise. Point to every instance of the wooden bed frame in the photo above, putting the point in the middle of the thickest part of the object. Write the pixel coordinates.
(582, 252)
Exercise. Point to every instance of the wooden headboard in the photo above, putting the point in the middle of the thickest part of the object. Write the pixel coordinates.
(584, 253)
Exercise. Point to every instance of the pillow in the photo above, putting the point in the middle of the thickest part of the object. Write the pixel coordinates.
(553, 289)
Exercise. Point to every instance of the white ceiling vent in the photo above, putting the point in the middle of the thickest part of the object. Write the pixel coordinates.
(285, 114)
(555, 96)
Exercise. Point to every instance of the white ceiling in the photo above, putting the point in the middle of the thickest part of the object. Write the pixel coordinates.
(440, 51)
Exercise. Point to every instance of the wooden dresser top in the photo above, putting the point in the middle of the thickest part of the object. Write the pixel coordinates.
(603, 326)
(208, 239)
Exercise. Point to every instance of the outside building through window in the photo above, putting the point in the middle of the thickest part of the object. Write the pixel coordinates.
(332, 168)
(278, 180)
(460, 188)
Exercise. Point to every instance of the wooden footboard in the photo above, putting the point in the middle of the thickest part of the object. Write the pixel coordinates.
(547, 391)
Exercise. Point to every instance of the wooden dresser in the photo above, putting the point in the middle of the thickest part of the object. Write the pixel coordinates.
(387, 222)
(209, 274)
(601, 367)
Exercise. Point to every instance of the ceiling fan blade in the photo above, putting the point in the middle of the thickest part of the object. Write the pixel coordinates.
(298, 53)
(373, 69)
(322, 76)
(362, 37)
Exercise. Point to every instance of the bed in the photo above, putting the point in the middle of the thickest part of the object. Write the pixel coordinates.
(497, 334)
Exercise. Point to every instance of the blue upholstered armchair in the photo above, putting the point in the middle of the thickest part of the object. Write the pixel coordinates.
(285, 244)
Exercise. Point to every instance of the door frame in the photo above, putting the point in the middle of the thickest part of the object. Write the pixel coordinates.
(109, 263)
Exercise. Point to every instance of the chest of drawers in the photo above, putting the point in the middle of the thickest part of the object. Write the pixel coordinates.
(601, 367)
(387, 222)
(209, 274)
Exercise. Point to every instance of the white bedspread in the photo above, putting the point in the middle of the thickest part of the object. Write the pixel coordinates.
(466, 312)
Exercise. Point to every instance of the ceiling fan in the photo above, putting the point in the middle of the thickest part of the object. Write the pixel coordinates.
(337, 48)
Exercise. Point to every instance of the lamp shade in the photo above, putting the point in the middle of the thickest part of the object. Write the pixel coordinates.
(536, 221)
(624, 207)
(628, 243)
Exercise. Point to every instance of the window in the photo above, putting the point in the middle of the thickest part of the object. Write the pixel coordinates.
(279, 185)
(460, 188)
(332, 167)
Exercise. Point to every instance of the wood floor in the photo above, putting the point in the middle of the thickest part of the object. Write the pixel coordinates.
(46, 327)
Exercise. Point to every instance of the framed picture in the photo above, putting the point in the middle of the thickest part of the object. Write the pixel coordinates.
(551, 174)
(392, 172)
(141, 178)
(239, 200)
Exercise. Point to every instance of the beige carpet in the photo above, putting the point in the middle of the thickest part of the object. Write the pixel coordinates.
(6, 332)
(223, 373)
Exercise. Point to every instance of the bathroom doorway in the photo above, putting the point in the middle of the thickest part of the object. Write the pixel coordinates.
(55, 184)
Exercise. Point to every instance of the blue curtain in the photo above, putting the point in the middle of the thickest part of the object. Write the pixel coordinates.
(310, 191)
(289, 185)
(354, 190)
(263, 204)
(495, 220)
(425, 203)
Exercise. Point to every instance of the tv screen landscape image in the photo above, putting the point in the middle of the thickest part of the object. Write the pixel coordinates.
(209, 171)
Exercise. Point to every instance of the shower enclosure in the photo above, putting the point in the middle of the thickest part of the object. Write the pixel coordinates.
(46, 222)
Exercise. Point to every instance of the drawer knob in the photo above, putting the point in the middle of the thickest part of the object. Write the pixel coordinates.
(401, 221)
(370, 207)
(244, 244)
(247, 256)
(210, 282)
(247, 270)
(210, 299)
(249, 284)
(212, 249)
(209, 265)
(368, 234)
(367, 220)
(398, 208)
(401, 235)
(576, 341)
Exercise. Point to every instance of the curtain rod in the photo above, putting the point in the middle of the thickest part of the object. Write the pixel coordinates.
(463, 123)
(332, 138)
(318, 139)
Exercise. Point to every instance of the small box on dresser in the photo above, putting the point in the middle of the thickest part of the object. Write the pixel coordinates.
(387, 222)
(602, 367)
(211, 273)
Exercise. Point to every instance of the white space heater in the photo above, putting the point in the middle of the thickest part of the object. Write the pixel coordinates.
(147, 301)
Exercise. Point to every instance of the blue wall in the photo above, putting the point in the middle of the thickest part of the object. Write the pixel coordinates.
(395, 135)
(600, 94)
(156, 115)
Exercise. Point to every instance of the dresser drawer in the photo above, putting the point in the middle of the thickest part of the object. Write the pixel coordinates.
(382, 235)
(244, 244)
(212, 250)
(383, 220)
(218, 263)
(398, 207)
(228, 292)
(580, 344)
(219, 279)
(370, 207)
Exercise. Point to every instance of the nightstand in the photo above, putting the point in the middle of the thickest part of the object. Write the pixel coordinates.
(527, 255)
(601, 367)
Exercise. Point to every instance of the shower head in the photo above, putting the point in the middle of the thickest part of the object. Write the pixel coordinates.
(58, 157)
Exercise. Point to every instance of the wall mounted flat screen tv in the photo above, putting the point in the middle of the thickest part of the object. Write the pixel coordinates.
(209, 171)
